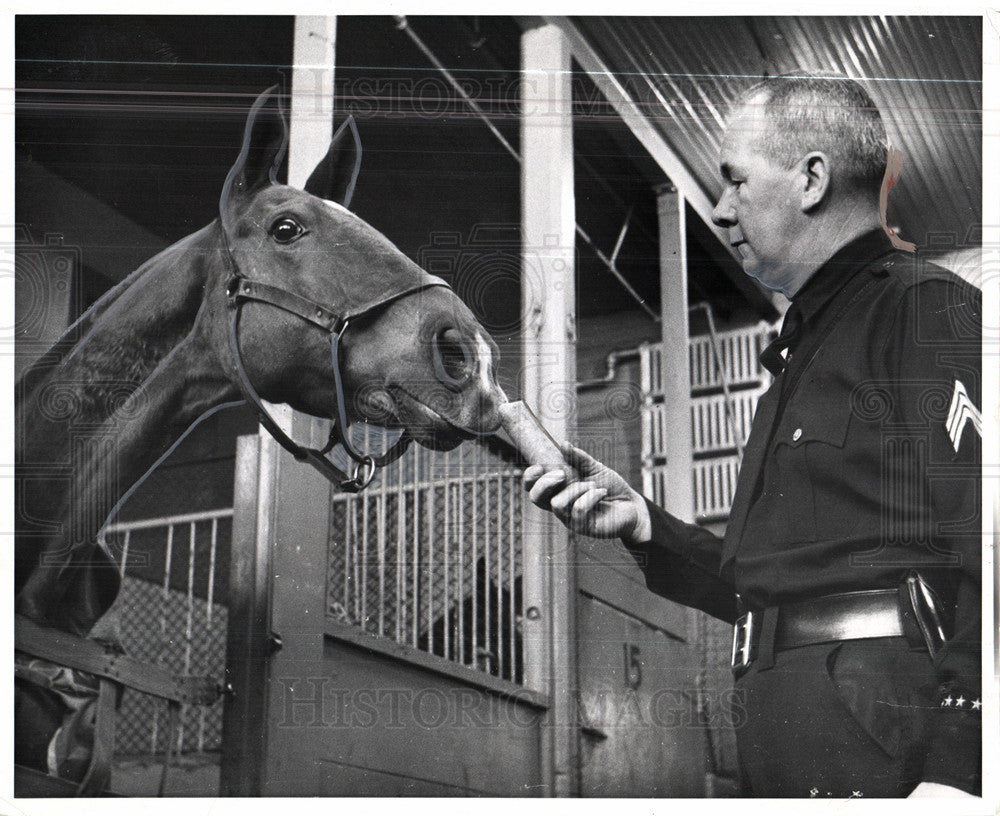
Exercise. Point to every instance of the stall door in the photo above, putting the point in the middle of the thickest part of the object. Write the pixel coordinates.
(641, 731)
(357, 667)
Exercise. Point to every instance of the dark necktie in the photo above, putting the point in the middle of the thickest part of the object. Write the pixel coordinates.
(791, 328)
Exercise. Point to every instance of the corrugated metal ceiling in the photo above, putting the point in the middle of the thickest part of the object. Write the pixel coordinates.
(925, 73)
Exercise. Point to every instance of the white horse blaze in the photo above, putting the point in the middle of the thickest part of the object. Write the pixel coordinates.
(485, 360)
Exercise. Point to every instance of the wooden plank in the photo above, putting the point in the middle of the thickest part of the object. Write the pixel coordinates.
(639, 709)
(244, 717)
(548, 220)
(32, 784)
(311, 115)
(435, 665)
(298, 539)
(674, 362)
(383, 727)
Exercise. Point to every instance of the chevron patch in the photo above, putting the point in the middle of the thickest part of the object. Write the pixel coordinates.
(962, 411)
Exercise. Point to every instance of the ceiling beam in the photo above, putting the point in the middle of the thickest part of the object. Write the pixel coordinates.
(671, 164)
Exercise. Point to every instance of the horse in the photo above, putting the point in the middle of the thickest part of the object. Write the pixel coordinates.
(286, 297)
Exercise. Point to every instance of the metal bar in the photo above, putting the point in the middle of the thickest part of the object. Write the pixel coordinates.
(128, 538)
(613, 269)
(460, 534)
(166, 521)
(400, 548)
(512, 567)
(188, 623)
(446, 559)
(430, 565)
(499, 581)
(352, 588)
(362, 588)
(380, 509)
(415, 594)
(486, 568)
(621, 235)
(474, 592)
(209, 613)
(163, 625)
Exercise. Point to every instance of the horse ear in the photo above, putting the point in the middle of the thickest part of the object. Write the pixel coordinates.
(335, 176)
(265, 142)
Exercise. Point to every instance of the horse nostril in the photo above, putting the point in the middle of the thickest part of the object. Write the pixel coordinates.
(453, 362)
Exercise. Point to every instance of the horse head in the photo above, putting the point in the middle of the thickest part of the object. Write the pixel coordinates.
(331, 312)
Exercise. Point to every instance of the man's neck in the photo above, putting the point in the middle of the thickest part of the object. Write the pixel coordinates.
(832, 231)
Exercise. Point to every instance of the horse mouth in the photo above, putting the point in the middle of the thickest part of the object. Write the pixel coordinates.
(430, 427)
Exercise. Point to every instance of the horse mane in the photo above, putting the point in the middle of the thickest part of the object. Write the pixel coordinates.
(135, 357)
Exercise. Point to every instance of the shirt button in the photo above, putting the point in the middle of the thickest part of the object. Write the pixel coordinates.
(797, 435)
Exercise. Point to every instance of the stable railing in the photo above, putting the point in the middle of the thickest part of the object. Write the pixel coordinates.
(430, 555)
(726, 382)
(171, 611)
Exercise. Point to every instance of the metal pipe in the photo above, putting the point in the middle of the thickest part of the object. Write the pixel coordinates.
(404, 25)
(611, 362)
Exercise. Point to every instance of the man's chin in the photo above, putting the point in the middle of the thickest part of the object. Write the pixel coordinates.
(774, 278)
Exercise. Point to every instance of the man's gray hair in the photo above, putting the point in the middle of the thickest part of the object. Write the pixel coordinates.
(821, 111)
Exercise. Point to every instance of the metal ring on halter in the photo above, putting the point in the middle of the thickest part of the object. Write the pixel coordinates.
(359, 480)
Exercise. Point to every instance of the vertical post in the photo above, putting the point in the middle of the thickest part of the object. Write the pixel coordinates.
(679, 499)
(311, 116)
(310, 128)
(549, 337)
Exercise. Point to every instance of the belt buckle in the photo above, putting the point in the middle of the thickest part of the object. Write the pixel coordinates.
(743, 647)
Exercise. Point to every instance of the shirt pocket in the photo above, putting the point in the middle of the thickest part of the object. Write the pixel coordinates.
(808, 451)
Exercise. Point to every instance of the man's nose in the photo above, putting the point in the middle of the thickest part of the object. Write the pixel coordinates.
(724, 215)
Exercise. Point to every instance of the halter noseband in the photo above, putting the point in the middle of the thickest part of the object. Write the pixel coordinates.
(239, 290)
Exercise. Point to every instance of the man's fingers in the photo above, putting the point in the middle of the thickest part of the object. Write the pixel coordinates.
(531, 475)
(583, 506)
(543, 488)
(562, 501)
(581, 460)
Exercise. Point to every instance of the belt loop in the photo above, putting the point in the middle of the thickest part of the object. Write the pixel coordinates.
(765, 647)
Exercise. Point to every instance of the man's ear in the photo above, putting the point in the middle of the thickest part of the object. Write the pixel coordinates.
(815, 169)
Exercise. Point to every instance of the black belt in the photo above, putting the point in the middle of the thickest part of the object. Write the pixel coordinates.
(845, 616)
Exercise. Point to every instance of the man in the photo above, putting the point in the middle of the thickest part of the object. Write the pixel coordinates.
(854, 538)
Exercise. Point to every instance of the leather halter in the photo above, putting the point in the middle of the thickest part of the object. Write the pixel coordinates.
(241, 289)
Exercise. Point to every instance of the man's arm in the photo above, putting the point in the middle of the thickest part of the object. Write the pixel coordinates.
(932, 354)
(679, 561)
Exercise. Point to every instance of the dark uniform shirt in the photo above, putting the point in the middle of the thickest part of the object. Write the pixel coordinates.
(863, 465)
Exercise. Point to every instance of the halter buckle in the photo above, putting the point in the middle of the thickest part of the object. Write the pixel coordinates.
(360, 475)
(233, 287)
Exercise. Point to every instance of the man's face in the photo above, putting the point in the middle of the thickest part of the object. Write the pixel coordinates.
(760, 205)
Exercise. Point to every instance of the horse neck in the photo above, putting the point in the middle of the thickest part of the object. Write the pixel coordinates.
(126, 381)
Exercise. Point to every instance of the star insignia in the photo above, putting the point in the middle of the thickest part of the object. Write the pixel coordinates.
(959, 702)
(947, 701)
(977, 704)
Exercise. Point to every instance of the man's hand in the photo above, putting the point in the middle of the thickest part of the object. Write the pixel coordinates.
(601, 504)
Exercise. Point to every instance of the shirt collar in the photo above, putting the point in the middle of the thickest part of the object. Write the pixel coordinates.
(831, 277)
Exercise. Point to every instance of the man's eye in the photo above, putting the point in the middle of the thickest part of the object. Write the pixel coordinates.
(285, 230)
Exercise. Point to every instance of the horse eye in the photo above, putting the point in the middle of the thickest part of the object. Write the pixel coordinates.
(286, 230)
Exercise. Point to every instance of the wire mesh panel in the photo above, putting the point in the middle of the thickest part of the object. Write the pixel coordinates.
(430, 555)
(171, 611)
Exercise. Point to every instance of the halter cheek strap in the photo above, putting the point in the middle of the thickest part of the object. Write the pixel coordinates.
(238, 291)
